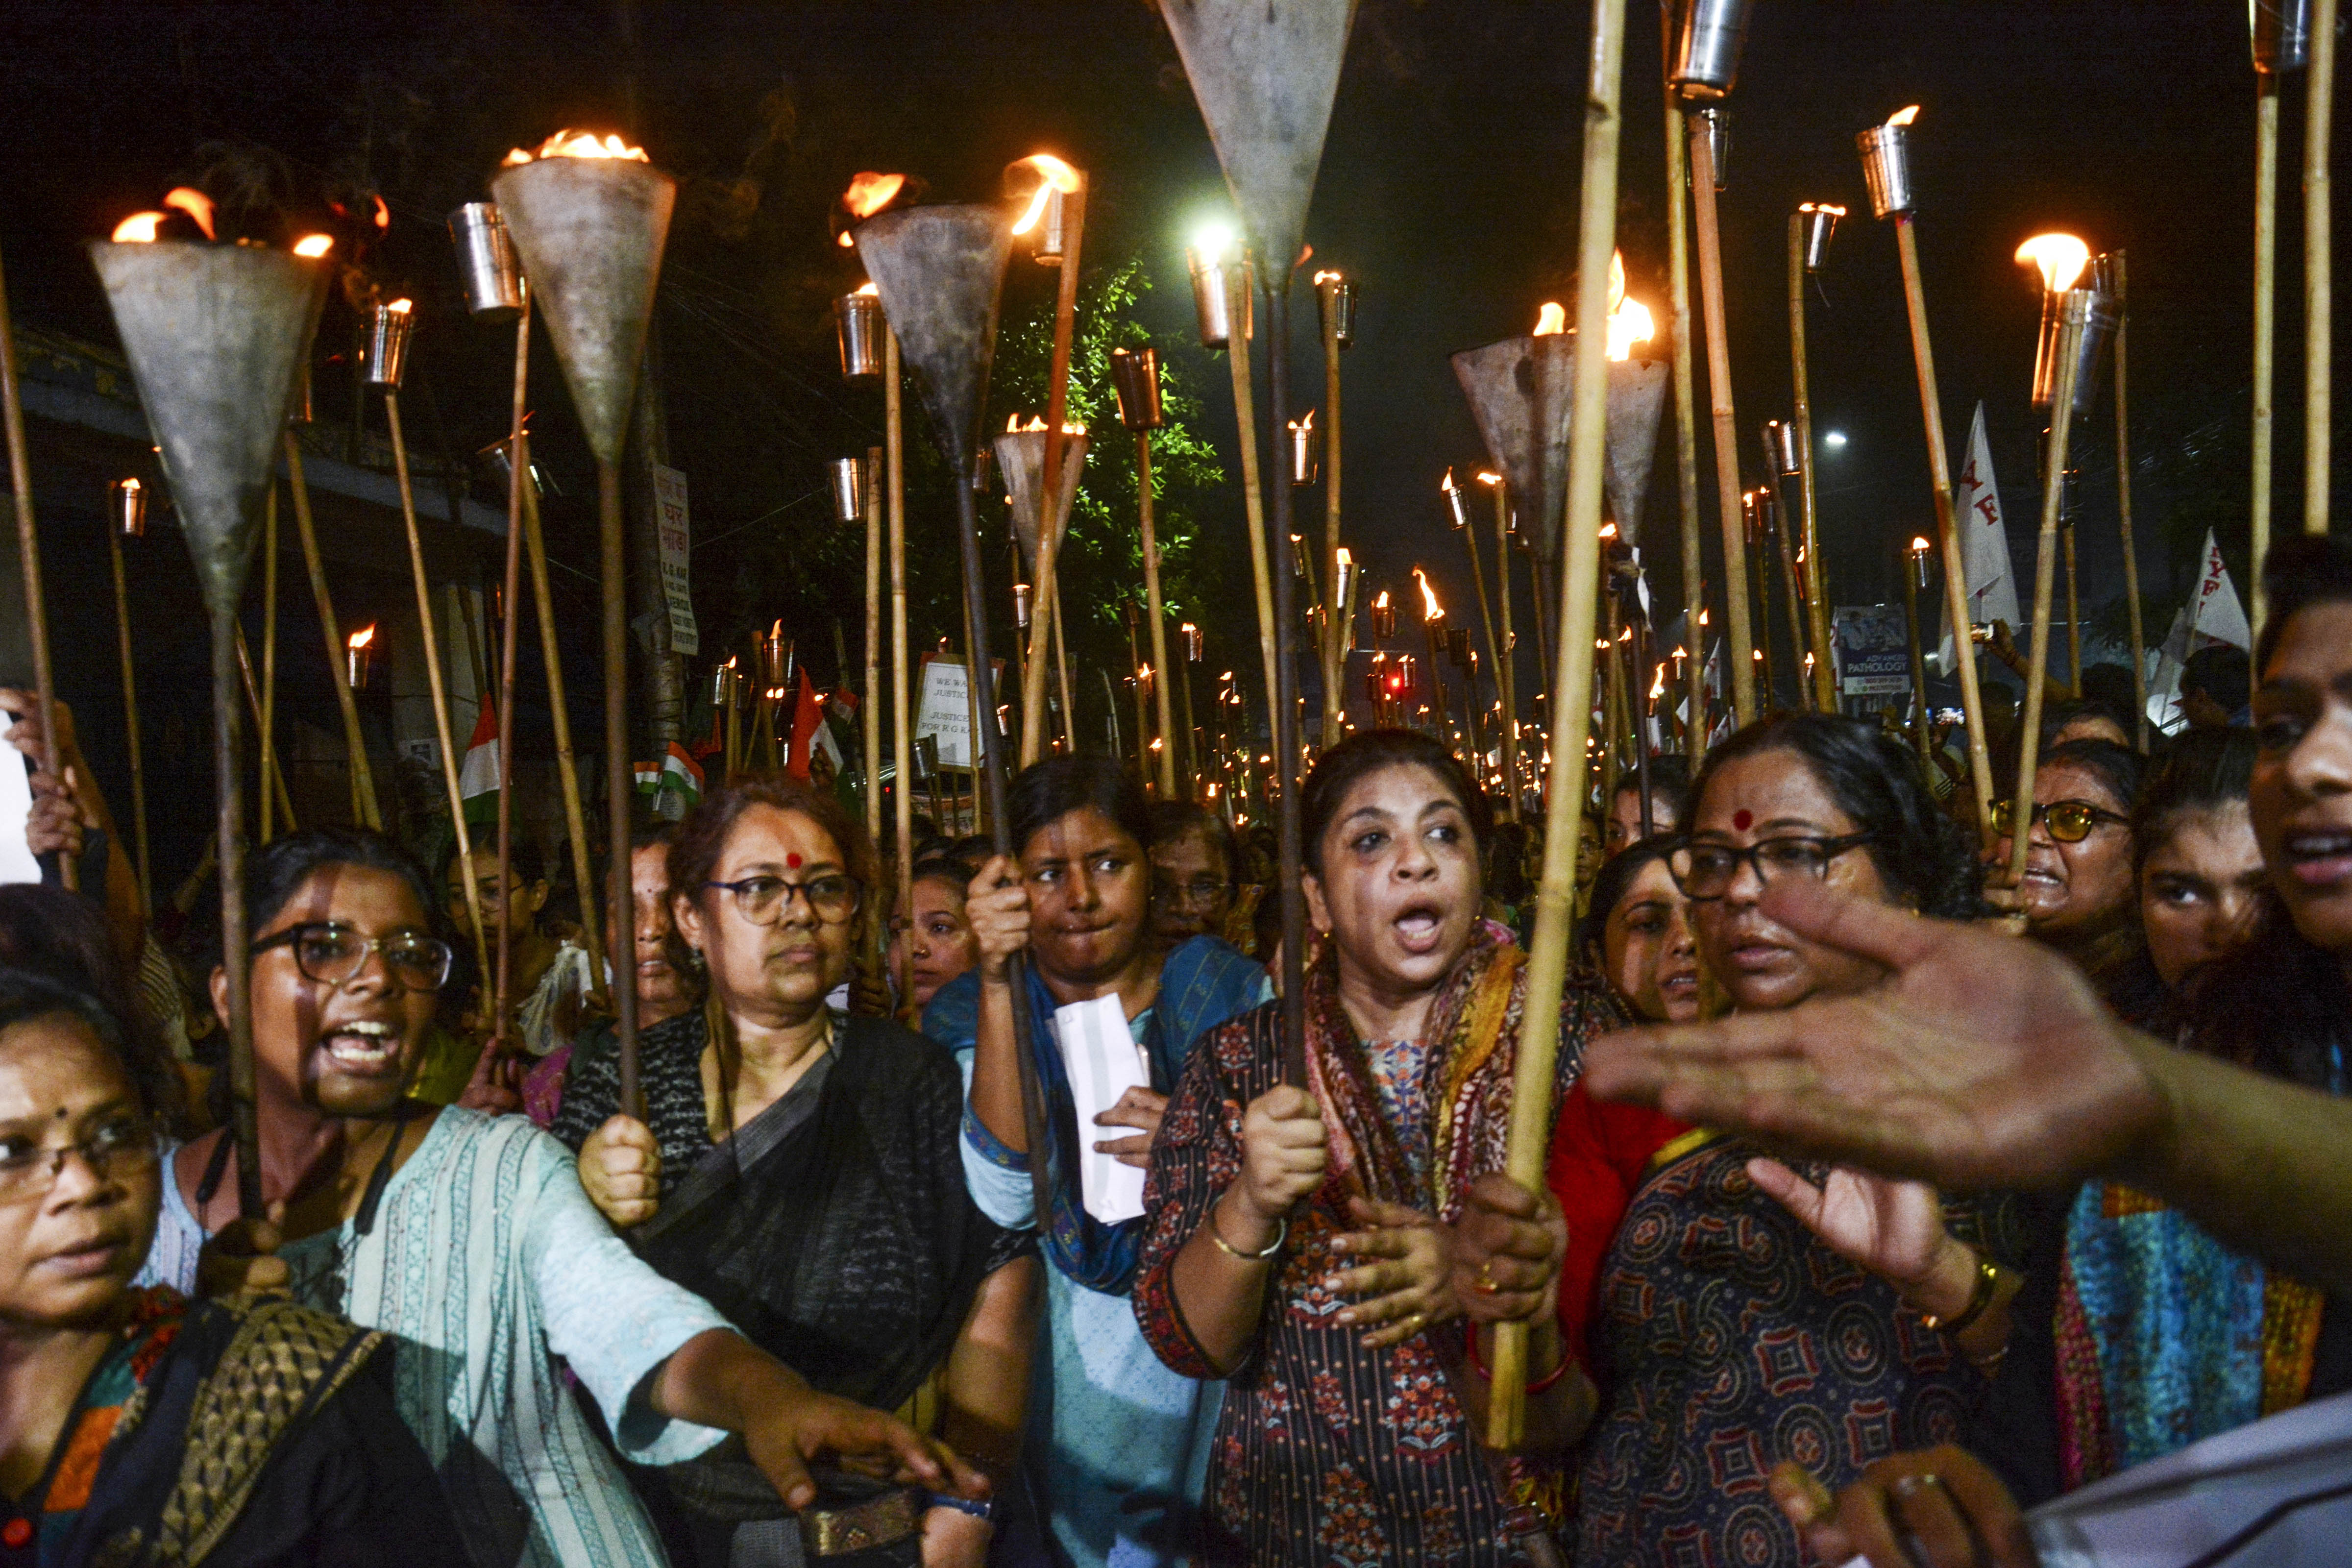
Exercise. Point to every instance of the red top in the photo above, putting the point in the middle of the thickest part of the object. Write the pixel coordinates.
(1599, 1151)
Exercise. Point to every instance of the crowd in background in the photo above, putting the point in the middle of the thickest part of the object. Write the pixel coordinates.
(850, 1254)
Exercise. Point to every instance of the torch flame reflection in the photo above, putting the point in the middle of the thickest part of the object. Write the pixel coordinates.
(1053, 174)
(2059, 258)
(1550, 320)
(571, 143)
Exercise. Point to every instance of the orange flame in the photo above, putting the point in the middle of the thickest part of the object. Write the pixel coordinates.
(1658, 687)
(2059, 258)
(1903, 116)
(1629, 324)
(1053, 174)
(314, 246)
(1382, 602)
(1487, 479)
(197, 205)
(1821, 207)
(869, 193)
(1431, 610)
(1012, 426)
(1308, 424)
(570, 144)
(1918, 546)
(383, 213)
(1550, 320)
(401, 307)
(361, 638)
(139, 229)
(1616, 281)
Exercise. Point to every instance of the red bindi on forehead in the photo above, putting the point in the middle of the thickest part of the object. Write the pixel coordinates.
(1743, 820)
(792, 861)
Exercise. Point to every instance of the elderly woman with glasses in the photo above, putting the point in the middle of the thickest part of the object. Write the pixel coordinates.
(2080, 894)
(801, 1169)
(1749, 1312)
(467, 1240)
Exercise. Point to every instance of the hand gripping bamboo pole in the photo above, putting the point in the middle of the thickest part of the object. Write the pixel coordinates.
(2073, 310)
(2318, 289)
(364, 801)
(1533, 1086)
(1738, 624)
(1956, 574)
(1817, 590)
(1237, 354)
(452, 759)
(28, 555)
(1164, 676)
(1045, 617)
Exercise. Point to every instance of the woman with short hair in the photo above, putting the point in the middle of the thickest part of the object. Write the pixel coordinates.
(1312, 1245)
(1117, 1440)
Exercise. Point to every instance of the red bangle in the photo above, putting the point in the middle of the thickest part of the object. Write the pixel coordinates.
(1538, 1386)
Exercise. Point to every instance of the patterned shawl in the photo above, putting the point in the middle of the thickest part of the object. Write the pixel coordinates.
(1201, 984)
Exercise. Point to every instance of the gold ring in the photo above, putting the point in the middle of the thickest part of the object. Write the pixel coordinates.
(1485, 1284)
(1905, 1488)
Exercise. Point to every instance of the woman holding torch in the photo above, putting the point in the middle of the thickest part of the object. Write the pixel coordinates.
(1313, 1246)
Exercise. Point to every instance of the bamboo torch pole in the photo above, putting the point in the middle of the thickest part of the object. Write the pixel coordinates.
(271, 774)
(902, 742)
(1817, 594)
(1045, 619)
(2073, 312)
(613, 573)
(1159, 619)
(567, 762)
(364, 801)
(28, 555)
(1678, 307)
(1738, 624)
(1534, 1090)
(130, 711)
(872, 726)
(1505, 659)
(1237, 356)
(451, 758)
(1332, 296)
(510, 622)
(2266, 136)
(2123, 504)
(268, 716)
(2318, 290)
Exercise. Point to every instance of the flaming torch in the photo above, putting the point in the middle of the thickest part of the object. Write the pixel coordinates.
(1220, 298)
(589, 217)
(1335, 298)
(1495, 654)
(1058, 212)
(126, 519)
(1022, 452)
(1914, 580)
(1704, 185)
(1135, 381)
(2063, 260)
(1887, 167)
(1809, 229)
(214, 334)
(1532, 1072)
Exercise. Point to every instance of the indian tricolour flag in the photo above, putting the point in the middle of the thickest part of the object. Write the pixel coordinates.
(478, 779)
(675, 778)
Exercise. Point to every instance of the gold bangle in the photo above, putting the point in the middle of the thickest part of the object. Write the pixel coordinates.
(1281, 1234)
(1980, 1297)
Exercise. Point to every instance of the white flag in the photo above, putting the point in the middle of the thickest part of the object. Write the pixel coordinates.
(1984, 542)
(2213, 616)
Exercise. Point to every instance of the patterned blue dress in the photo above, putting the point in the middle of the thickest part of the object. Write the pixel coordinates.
(1729, 1338)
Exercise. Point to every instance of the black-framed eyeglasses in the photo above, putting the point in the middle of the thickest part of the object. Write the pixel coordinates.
(334, 955)
(2069, 821)
(833, 898)
(122, 1144)
(1705, 871)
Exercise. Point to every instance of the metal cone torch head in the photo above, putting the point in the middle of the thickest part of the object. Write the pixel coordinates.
(487, 264)
(1781, 449)
(215, 334)
(1820, 220)
(590, 220)
(2282, 35)
(126, 507)
(1887, 163)
(1135, 381)
(1719, 143)
(848, 476)
(858, 322)
(1707, 55)
(1305, 451)
(1214, 258)
(387, 346)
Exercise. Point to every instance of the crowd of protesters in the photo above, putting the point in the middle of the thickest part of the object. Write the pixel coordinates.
(1888, 1194)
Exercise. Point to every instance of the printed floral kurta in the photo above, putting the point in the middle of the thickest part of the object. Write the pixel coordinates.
(1328, 1453)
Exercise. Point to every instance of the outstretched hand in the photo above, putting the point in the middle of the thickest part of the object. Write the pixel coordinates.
(1895, 1229)
(1979, 1061)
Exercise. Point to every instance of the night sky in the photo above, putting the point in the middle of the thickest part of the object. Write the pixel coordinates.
(1449, 188)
